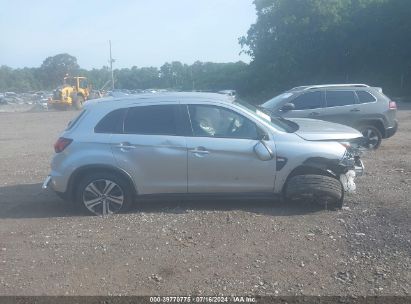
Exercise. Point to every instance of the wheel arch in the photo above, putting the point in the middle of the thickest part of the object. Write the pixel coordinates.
(316, 165)
(377, 123)
(81, 171)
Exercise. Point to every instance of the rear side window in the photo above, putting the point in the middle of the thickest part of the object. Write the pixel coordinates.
(340, 98)
(152, 120)
(112, 123)
(364, 97)
(309, 100)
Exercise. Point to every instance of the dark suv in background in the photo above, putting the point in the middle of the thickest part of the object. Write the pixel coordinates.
(357, 105)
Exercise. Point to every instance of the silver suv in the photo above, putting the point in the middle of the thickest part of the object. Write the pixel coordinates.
(360, 106)
(197, 144)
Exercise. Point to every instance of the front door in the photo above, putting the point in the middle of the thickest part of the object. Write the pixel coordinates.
(221, 156)
(307, 105)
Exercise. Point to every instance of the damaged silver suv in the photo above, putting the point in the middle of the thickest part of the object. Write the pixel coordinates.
(198, 144)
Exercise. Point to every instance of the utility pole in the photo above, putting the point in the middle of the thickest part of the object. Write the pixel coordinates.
(111, 67)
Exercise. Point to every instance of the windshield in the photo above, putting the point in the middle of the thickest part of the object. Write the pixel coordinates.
(70, 81)
(273, 102)
(277, 122)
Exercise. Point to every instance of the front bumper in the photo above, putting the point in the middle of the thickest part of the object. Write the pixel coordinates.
(353, 167)
(358, 167)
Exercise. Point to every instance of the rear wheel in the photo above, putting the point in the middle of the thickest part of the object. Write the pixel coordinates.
(372, 135)
(103, 194)
(78, 102)
(325, 190)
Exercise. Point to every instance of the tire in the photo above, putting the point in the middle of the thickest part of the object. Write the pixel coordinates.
(78, 102)
(91, 198)
(372, 136)
(325, 190)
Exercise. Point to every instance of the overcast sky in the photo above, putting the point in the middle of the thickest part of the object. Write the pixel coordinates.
(143, 32)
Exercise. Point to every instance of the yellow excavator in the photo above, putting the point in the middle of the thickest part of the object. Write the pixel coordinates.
(72, 94)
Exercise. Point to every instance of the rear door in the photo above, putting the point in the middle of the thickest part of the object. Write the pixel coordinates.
(221, 156)
(367, 106)
(153, 147)
(307, 105)
(341, 107)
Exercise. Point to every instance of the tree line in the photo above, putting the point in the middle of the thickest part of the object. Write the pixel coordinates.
(204, 76)
(293, 42)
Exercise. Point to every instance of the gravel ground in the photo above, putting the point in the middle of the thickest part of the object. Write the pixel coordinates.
(200, 247)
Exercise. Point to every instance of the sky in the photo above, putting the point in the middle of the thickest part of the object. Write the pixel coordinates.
(142, 32)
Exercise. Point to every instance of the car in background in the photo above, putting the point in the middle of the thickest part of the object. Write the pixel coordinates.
(197, 144)
(360, 106)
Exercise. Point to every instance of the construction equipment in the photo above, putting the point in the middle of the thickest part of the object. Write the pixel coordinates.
(73, 93)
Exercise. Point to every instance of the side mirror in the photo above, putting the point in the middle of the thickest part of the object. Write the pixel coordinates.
(262, 136)
(288, 107)
(263, 152)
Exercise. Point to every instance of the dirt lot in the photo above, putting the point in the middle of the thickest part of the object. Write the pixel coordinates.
(200, 247)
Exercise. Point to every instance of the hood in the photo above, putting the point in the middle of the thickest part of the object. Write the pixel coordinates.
(313, 129)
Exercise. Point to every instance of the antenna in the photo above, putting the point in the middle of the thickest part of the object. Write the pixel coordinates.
(111, 67)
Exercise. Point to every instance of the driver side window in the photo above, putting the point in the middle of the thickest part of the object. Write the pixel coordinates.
(219, 122)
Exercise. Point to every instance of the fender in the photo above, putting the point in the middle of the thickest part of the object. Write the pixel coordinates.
(316, 165)
(104, 167)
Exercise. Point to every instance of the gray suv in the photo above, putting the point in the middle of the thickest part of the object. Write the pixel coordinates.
(198, 144)
(360, 106)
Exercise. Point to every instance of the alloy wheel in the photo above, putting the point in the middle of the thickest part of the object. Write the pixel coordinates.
(103, 197)
(371, 137)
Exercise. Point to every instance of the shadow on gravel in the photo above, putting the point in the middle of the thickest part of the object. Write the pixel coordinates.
(272, 207)
(30, 201)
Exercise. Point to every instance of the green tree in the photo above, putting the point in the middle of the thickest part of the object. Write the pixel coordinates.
(297, 42)
(56, 67)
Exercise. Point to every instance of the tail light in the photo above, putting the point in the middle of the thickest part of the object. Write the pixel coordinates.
(61, 144)
(392, 105)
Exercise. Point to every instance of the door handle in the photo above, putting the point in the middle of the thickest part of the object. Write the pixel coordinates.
(199, 150)
(314, 113)
(125, 146)
(355, 110)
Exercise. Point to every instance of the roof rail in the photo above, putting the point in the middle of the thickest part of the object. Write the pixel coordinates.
(360, 85)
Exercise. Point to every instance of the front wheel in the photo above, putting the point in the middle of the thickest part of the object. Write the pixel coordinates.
(325, 190)
(103, 194)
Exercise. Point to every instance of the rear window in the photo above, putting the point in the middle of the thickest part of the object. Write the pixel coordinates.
(364, 97)
(73, 122)
(309, 100)
(340, 98)
(152, 120)
(112, 123)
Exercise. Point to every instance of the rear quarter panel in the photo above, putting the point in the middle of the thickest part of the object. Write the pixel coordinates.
(83, 151)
